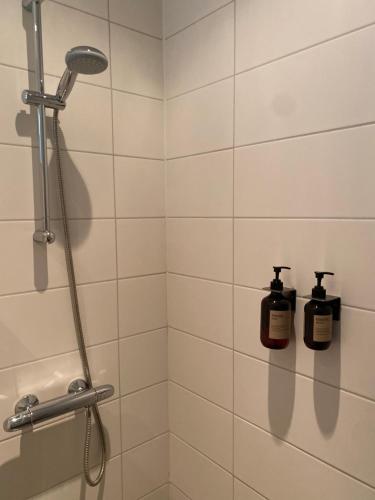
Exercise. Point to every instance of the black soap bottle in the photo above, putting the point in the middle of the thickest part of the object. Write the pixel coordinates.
(318, 317)
(276, 315)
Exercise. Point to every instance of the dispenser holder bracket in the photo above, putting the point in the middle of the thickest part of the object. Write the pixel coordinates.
(330, 300)
(288, 293)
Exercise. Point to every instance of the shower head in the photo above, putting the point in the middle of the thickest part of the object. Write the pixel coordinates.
(85, 60)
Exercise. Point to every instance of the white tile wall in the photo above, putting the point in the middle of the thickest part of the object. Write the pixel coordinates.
(269, 31)
(146, 467)
(200, 185)
(89, 186)
(142, 15)
(200, 54)
(274, 101)
(292, 470)
(200, 247)
(139, 187)
(297, 187)
(178, 14)
(137, 126)
(176, 494)
(243, 492)
(201, 367)
(329, 415)
(140, 246)
(39, 351)
(199, 422)
(196, 474)
(30, 336)
(73, 487)
(142, 304)
(201, 121)
(201, 307)
(318, 164)
(137, 64)
(144, 415)
(96, 7)
(143, 361)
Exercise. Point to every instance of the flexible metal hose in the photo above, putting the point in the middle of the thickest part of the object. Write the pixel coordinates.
(78, 322)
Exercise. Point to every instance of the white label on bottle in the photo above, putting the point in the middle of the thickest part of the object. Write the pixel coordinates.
(322, 328)
(280, 322)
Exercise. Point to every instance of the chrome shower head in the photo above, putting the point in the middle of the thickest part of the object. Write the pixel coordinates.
(86, 60)
(83, 59)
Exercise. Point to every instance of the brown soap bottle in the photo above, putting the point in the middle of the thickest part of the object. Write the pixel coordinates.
(276, 315)
(318, 317)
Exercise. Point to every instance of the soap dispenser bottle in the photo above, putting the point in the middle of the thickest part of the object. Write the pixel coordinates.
(318, 317)
(276, 315)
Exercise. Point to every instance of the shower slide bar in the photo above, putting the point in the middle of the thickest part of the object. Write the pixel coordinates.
(44, 234)
(29, 411)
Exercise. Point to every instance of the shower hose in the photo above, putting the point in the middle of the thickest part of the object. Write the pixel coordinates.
(93, 410)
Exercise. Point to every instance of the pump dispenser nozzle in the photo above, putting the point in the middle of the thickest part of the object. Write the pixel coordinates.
(276, 283)
(319, 292)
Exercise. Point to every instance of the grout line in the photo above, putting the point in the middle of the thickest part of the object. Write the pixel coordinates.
(307, 48)
(307, 134)
(233, 232)
(56, 355)
(279, 139)
(251, 488)
(80, 10)
(180, 490)
(197, 20)
(315, 457)
(271, 218)
(155, 490)
(197, 336)
(200, 396)
(128, 92)
(116, 253)
(254, 288)
(147, 332)
(194, 89)
(199, 153)
(143, 389)
(161, 434)
(143, 332)
(84, 283)
(160, 39)
(142, 276)
(196, 217)
(179, 438)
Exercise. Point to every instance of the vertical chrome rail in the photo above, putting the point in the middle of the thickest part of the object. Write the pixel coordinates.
(43, 235)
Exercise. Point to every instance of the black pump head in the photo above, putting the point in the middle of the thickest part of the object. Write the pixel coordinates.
(319, 292)
(276, 283)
